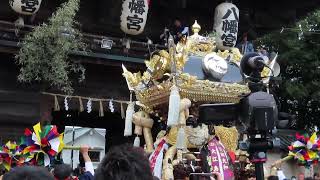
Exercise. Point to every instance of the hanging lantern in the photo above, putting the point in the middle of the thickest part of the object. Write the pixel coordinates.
(134, 16)
(226, 20)
(25, 7)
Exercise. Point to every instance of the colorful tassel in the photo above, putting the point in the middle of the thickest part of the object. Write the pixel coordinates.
(136, 142)
(181, 139)
(42, 145)
(128, 122)
(174, 105)
(305, 149)
(10, 154)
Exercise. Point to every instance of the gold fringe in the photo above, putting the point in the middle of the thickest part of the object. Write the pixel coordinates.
(228, 137)
(101, 113)
(56, 104)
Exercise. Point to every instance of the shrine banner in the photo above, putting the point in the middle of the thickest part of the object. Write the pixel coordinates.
(226, 21)
(26, 7)
(134, 16)
(219, 161)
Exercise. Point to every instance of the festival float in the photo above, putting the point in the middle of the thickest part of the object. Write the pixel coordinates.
(178, 82)
(198, 70)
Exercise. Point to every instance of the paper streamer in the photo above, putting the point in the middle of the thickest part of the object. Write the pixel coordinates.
(10, 154)
(89, 106)
(305, 149)
(66, 105)
(111, 106)
(42, 145)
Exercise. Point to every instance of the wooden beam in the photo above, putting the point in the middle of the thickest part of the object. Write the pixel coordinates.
(11, 44)
(108, 56)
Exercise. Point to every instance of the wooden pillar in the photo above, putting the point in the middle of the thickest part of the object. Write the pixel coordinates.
(46, 105)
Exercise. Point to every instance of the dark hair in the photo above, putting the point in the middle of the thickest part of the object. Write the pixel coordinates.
(62, 171)
(124, 162)
(308, 178)
(273, 178)
(180, 172)
(28, 173)
(155, 178)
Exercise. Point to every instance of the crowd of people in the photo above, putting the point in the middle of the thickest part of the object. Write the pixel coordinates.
(123, 162)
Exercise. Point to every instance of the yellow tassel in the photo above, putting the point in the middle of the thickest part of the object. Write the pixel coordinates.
(56, 104)
(101, 113)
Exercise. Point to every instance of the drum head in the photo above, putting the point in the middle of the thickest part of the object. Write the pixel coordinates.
(194, 67)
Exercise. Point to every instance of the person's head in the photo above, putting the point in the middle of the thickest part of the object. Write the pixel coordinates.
(316, 176)
(245, 37)
(177, 23)
(124, 162)
(28, 173)
(180, 172)
(273, 178)
(301, 176)
(62, 171)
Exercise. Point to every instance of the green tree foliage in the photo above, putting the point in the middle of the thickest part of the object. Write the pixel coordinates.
(299, 56)
(44, 53)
